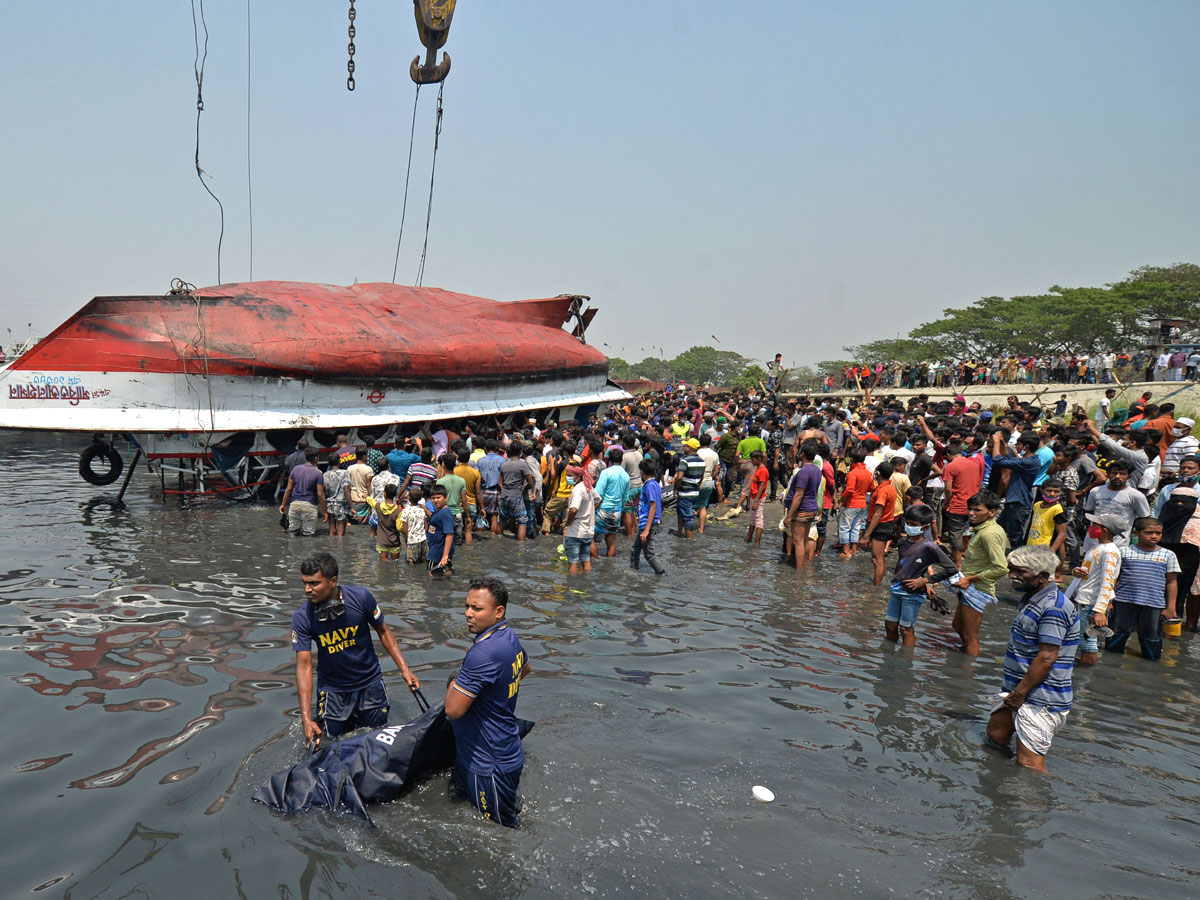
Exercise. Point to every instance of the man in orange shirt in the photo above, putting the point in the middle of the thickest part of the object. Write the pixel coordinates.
(964, 479)
(881, 525)
(854, 503)
(1163, 423)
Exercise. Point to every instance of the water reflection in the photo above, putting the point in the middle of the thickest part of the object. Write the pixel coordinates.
(124, 639)
(140, 846)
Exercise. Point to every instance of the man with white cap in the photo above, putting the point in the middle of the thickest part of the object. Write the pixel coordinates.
(1183, 446)
(1095, 583)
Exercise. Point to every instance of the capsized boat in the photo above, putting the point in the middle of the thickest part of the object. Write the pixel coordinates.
(228, 378)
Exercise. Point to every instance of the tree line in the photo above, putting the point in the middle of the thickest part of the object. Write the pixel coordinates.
(703, 365)
(1063, 320)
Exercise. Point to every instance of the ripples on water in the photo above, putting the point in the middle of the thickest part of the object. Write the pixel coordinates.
(148, 686)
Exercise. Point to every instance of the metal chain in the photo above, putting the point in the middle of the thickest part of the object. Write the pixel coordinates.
(350, 49)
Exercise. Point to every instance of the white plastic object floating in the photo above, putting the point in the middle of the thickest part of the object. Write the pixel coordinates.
(762, 793)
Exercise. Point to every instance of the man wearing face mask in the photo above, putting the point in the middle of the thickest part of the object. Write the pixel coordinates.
(1183, 446)
(1127, 449)
(834, 426)
(350, 688)
(1116, 497)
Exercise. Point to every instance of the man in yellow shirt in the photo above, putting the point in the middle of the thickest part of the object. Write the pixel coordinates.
(472, 496)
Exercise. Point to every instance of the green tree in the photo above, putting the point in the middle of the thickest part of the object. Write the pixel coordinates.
(749, 378)
(976, 330)
(902, 349)
(652, 368)
(698, 365)
(1160, 292)
(802, 378)
(619, 369)
(833, 366)
(1064, 319)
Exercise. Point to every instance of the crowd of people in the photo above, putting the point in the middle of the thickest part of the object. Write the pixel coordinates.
(1171, 364)
(1105, 506)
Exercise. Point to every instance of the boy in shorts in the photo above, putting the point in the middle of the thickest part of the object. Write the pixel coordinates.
(387, 515)
(414, 521)
(1146, 591)
(917, 556)
(757, 491)
(440, 535)
(1095, 584)
(579, 525)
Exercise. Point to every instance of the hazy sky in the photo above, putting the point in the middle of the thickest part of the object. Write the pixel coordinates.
(787, 176)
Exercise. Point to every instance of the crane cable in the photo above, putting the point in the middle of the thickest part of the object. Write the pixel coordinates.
(407, 174)
(249, 182)
(198, 67)
(437, 132)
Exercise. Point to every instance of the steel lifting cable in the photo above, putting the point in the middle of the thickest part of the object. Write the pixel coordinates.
(407, 174)
(437, 132)
(198, 67)
(212, 424)
(199, 346)
(249, 182)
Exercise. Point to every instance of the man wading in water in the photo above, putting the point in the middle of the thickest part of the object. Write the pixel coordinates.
(1037, 692)
(481, 704)
(351, 692)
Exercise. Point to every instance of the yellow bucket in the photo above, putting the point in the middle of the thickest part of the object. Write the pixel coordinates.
(1172, 627)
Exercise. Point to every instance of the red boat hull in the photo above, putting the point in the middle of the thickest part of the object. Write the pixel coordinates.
(378, 332)
(284, 355)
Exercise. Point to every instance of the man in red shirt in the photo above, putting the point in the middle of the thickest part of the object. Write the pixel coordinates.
(759, 482)
(1138, 406)
(854, 503)
(881, 525)
(964, 478)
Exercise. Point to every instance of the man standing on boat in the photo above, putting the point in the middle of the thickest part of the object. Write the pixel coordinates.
(350, 689)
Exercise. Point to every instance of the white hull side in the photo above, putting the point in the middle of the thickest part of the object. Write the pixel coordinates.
(152, 402)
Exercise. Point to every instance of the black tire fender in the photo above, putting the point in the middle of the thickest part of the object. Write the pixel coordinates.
(115, 462)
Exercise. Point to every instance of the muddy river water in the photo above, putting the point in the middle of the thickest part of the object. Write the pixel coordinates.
(148, 689)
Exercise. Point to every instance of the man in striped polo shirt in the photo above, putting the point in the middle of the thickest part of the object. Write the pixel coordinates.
(688, 475)
(1036, 694)
(1146, 591)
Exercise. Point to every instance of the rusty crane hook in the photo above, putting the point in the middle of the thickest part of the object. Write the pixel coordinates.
(433, 27)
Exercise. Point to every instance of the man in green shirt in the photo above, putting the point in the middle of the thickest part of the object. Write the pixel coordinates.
(747, 445)
(986, 560)
(455, 486)
(752, 442)
(726, 447)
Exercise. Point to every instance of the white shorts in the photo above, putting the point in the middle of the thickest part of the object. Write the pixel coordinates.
(1035, 725)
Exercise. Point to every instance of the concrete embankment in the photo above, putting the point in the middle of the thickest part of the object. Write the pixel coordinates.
(1185, 395)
